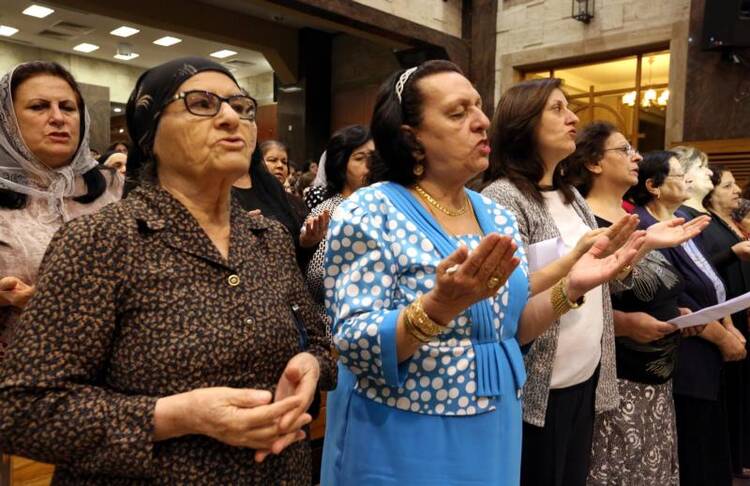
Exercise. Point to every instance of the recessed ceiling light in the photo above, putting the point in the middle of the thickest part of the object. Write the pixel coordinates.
(86, 47)
(167, 41)
(117, 109)
(121, 130)
(124, 31)
(7, 31)
(223, 53)
(38, 11)
(126, 57)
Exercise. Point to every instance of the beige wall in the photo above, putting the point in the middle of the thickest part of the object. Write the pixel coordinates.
(441, 15)
(540, 32)
(118, 77)
(260, 87)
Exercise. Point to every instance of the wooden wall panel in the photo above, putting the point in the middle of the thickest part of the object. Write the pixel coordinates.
(267, 122)
(734, 154)
(352, 107)
(717, 92)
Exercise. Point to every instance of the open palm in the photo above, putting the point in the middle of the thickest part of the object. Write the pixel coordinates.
(674, 232)
(594, 268)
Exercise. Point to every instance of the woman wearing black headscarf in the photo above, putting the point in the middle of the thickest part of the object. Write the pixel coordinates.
(258, 190)
(165, 340)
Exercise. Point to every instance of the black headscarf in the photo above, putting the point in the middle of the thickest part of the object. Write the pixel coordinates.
(153, 90)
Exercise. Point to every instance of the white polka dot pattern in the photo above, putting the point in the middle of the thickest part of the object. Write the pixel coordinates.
(378, 262)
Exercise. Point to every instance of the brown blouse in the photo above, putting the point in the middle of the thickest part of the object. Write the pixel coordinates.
(136, 303)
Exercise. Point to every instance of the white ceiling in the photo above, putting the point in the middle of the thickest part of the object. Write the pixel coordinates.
(95, 29)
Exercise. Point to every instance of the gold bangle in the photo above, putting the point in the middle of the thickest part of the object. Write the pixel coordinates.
(624, 272)
(561, 304)
(414, 332)
(422, 321)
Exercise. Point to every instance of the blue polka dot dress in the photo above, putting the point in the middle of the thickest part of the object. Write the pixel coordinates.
(450, 414)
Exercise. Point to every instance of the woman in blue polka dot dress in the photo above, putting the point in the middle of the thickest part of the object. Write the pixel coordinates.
(426, 284)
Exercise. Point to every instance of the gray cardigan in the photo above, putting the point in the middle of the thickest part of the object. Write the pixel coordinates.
(535, 224)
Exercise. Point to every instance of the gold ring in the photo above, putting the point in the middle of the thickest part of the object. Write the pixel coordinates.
(493, 282)
(626, 269)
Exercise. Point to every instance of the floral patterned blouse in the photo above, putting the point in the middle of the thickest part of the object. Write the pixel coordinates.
(136, 303)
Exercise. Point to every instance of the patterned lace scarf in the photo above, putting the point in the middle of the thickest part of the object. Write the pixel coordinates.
(22, 172)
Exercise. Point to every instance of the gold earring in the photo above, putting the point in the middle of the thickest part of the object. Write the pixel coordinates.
(418, 170)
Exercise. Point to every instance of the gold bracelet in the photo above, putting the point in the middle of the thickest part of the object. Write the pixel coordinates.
(414, 332)
(561, 304)
(421, 321)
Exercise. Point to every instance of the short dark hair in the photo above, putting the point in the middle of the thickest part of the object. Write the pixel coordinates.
(654, 166)
(339, 149)
(95, 181)
(589, 149)
(717, 172)
(394, 159)
(515, 154)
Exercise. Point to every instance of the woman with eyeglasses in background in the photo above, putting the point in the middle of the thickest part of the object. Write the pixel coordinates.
(603, 167)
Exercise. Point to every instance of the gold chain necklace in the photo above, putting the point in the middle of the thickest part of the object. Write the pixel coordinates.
(432, 202)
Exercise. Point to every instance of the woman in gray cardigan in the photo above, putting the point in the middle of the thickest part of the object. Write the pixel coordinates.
(571, 367)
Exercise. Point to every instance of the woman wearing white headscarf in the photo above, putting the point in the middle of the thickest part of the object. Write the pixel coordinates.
(47, 176)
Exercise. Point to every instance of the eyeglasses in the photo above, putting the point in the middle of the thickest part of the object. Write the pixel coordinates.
(681, 176)
(626, 149)
(206, 103)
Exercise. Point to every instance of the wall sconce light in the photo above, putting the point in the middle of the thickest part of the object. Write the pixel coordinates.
(583, 10)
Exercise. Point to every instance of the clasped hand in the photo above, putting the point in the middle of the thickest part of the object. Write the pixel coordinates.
(245, 417)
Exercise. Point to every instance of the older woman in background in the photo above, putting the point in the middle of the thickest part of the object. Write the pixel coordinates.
(171, 339)
(47, 176)
(725, 245)
(698, 392)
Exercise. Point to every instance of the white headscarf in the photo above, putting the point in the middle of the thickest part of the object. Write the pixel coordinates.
(320, 177)
(21, 171)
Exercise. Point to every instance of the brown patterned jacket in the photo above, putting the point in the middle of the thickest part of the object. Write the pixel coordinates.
(136, 303)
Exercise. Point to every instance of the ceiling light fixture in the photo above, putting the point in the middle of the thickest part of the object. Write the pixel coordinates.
(124, 31)
(167, 41)
(37, 11)
(117, 109)
(7, 31)
(86, 47)
(126, 57)
(223, 53)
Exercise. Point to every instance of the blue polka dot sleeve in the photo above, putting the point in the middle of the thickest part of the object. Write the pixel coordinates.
(359, 293)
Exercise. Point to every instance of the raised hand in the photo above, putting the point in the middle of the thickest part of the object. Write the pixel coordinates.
(15, 292)
(314, 230)
(595, 267)
(464, 277)
(674, 232)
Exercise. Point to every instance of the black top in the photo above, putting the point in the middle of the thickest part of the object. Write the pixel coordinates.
(251, 199)
(716, 242)
(698, 372)
(656, 289)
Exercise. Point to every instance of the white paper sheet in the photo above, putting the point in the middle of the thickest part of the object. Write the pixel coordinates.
(713, 313)
(545, 252)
